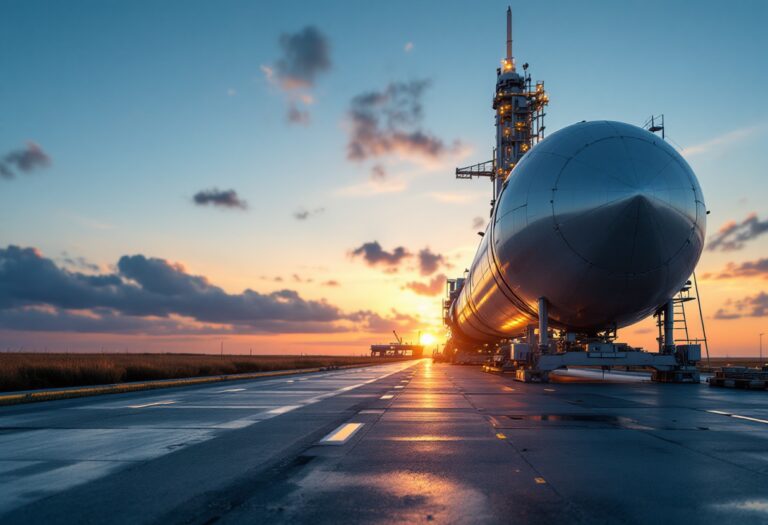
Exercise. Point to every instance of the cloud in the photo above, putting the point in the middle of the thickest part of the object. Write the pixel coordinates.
(378, 173)
(720, 142)
(732, 270)
(434, 287)
(429, 262)
(297, 278)
(332, 283)
(303, 214)
(222, 198)
(750, 306)
(305, 56)
(399, 321)
(374, 255)
(478, 223)
(147, 295)
(733, 236)
(297, 116)
(147, 289)
(79, 263)
(23, 160)
(388, 122)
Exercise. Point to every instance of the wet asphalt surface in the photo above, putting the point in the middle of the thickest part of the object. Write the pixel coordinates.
(437, 444)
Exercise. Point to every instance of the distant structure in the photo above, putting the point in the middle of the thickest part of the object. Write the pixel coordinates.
(397, 349)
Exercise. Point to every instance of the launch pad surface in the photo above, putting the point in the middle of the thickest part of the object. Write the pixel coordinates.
(411, 442)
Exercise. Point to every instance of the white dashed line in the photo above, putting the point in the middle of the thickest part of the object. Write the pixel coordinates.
(156, 403)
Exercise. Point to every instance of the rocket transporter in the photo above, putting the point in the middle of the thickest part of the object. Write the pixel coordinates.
(593, 228)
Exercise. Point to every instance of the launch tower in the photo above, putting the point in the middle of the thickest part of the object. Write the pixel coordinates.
(519, 107)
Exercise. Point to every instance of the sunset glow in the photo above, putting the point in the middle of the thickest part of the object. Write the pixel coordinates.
(272, 188)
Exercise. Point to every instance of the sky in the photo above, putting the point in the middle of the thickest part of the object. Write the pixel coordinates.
(278, 176)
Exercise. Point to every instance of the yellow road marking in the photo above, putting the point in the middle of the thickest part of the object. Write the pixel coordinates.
(342, 434)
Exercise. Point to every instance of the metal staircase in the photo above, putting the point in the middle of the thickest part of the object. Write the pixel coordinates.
(681, 331)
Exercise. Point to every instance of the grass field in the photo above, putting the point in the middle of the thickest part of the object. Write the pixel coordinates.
(717, 362)
(27, 371)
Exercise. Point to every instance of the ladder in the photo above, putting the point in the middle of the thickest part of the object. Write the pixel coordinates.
(681, 320)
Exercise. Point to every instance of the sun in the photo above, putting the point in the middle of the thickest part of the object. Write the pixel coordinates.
(427, 339)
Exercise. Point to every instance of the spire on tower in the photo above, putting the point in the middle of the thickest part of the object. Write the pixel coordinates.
(509, 34)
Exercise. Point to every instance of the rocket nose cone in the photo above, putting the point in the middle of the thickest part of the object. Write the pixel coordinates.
(625, 204)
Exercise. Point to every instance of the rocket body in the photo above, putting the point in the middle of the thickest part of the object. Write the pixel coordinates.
(604, 220)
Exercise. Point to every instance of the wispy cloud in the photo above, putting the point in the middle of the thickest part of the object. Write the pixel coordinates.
(750, 306)
(305, 56)
(374, 255)
(378, 173)
(219, 198)
(746, 269)
(23, 160)
(303, 214)
(478, 223)
(734, 235)
(433, 287)
(722, 141)
(389, 122)
(429, 261)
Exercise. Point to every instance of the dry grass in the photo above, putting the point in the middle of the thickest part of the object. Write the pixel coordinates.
(27, 371)
(717, 362)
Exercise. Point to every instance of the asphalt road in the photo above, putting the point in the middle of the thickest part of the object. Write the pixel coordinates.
(406, 442)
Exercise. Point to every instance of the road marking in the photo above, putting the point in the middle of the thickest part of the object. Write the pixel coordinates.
(290, 381)
(156, 403)
(283, 410)
(399, 386)
(549, 390)
(756, 420)
(387, 396)
(500, 435)
(232, 390)
(540, 481)
(737, 416)
(342, 434)
(351, 387)
(371, 411)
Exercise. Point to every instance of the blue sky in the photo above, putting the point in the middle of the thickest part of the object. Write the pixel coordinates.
(140, 105)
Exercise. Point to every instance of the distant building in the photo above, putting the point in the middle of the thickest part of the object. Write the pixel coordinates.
(397, 350)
